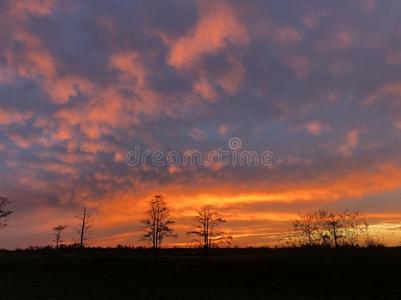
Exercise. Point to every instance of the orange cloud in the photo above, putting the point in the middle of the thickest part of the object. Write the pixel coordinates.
(63, 133)
(133, 78)
(53, 167)
(224, 129)
(20, 140)
(205, 89)
(218, 26)
(36, 59)
(326, 187)
(38, 63)
(8, 117)
(231, 80)
(34, 7)
(130, 63)
(61, 89)
(105, 110)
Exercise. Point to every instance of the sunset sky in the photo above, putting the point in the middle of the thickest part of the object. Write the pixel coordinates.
(317, 83)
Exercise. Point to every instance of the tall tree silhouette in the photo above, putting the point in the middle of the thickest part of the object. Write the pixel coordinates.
(333, 225)
(4, 212)
(84, 227)
(206, 222)
(157, 222)
(58, 230)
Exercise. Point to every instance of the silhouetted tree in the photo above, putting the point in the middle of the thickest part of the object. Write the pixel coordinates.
(355, 226)
(332, 225)
(58, 230)
(325, 228)
(84, 227)
(307, 228)
(157, 222)
(4, 212)
(206, 222)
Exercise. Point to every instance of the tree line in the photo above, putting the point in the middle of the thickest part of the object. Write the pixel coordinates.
(321, 228)
(331, 229)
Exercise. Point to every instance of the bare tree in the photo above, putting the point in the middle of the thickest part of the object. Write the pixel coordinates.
(306, 228)
(325, 228)
(4, 212)
(58, 230)
(206, 222)
(157, 222)
(355, 226)
(344, 229)
(333, 226)
(84, 227)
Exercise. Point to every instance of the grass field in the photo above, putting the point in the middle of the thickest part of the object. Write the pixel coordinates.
(188, 274)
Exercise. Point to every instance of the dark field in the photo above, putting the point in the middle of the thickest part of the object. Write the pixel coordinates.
(188, 274)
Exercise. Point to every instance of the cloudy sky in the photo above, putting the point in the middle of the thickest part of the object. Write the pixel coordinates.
(317, 83)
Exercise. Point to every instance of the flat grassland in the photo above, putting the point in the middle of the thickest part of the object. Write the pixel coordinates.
(190, 274)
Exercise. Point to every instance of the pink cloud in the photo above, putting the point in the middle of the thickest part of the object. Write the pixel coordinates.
(20, 140)
(231, 80)
(298, 63)
(34, 7)
(8, 117)
(286, 35)
(224, 129)
(205, 89)
(389, 89)
(38, 63)
(314, 127)
(218, 25)
(197, 134)
(351, 141)
(341, 38)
